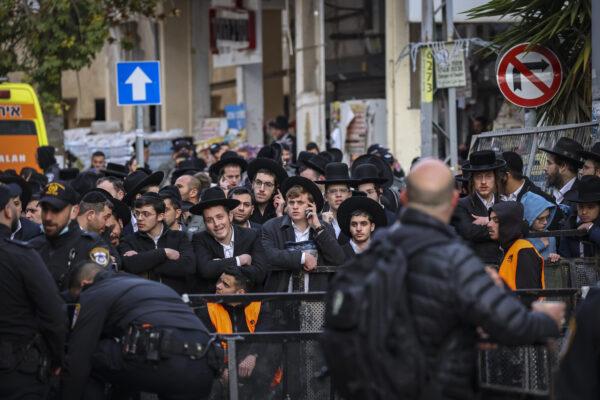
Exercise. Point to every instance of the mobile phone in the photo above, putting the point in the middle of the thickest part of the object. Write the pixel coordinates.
(308, 214)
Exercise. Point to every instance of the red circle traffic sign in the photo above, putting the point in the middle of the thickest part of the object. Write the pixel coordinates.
(529, 78)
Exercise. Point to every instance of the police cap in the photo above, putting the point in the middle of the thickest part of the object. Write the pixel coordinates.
(59, 194)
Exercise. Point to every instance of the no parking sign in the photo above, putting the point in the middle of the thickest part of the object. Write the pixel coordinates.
(529, 78)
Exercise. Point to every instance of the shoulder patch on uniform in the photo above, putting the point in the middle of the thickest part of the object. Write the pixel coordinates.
(100, 256)
(18, 242)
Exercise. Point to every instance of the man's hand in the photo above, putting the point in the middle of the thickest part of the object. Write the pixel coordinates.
(327, 216)
(172, 254)
(130, 253)
(313, 221)
(495, 277)
(585, 227)
(310, 262)
(247, 366)
(480, 220)
(245, 259)
(553, 309)
(553, 257)
(278, 203)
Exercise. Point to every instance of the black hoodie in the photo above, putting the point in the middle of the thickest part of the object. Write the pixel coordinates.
(514, 227)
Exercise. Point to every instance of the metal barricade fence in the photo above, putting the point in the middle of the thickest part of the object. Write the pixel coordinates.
(527, 142)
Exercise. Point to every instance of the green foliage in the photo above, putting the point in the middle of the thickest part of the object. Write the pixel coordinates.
(43, 38)
(563, 26)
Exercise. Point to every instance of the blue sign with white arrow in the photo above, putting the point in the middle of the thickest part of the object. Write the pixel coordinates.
(138, 83)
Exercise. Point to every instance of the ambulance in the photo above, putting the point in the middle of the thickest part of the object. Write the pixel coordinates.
(22, 128)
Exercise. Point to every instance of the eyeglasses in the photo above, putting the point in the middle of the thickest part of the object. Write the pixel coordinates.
(338, 191)
(267, 185)
(144, 214)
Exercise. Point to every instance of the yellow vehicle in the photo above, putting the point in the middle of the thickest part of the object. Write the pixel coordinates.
(22, 128)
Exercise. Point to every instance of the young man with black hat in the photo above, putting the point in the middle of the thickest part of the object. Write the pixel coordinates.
(337, 189)
(313, 168)
(591, 160)
(299, 240)
(64, 244)
(471, 215)
(136, 184)
(21, 193)
(224, 244)
(227, 172)
(368, 180)
(154, 251)
(278, 128)
(562, 164)
(359, 216)
(266, 177)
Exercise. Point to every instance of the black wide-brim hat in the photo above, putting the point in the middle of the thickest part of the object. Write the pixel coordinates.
(367, 173)
(336, 153)
(308, 185)
(587, 190)
(317, 162)
(22, 183)
(592, 154)
(266, 163)
(115, 170)
(229, 157)
(567, 148)
(363, 203)
(301, 159)
(385, 176)
(138, 180)
(484, 160)
(120, 209)
(337, 173)
(212, 197)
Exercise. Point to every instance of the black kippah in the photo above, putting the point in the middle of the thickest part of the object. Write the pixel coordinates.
(152, 195)
(94, 198)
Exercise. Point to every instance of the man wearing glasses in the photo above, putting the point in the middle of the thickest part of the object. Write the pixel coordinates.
(266, 175)
(155, 251)
(337, 189)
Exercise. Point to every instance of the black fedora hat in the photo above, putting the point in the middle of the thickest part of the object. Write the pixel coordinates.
(367, 173)
(336, 154)
(567, 148)
(190, 166)
(182, 143)
(212, 197)
(484, 160)
(229, 157)
(301, 159)
(19, 185)
(308, 185)
(68, 174)
(272, 151)
(383, 170)
(280, 122)
(138, 180)
(592, 154)
(120, 209)
(363, 203)
(116, 170)
(337, 172)
(587, 191)
(266, 163)
(317, 162)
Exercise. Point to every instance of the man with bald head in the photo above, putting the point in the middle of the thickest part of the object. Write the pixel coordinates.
(449, 290)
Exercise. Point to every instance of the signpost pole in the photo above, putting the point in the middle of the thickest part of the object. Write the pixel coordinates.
(451, 128)
(426, 80)
(139, 135)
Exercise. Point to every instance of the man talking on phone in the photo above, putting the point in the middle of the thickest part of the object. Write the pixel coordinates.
(298, 241)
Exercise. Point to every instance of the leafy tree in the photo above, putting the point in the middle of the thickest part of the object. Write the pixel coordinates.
(565, 27)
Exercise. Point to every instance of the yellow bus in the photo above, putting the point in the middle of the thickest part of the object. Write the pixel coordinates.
(22, 128)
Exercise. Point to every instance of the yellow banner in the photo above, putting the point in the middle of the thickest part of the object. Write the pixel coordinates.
(426, 75)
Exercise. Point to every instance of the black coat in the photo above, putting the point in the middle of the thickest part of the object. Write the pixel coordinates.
(152, 263)
(29, 230)
(477, 236)
(259, 218)
(275, 234)
(210, 261)
(450, 295)
(348, 251)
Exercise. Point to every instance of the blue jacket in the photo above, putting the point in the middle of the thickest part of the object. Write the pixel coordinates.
(534, 205)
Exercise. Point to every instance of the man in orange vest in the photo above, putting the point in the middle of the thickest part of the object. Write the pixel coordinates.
(521, 267)
(254, 370)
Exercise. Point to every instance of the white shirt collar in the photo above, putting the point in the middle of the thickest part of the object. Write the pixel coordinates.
(355, 247)
(157, 238)
(336, 227)
(514, 195)
(559, 195)
(301, 235)
(488, 204)
(19, 227)
(230, 244)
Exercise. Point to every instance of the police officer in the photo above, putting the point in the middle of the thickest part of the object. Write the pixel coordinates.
(64, 244)
(161, 346)
(32, 323)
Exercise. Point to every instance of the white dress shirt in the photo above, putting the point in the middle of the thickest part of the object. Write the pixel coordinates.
(336, 227)
(355, 247)
(513, 196)
(559, 195)
(228, 248)
(487, 203)
(301, 236)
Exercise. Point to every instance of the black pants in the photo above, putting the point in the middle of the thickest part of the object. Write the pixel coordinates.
(22, 386)
(175, 378)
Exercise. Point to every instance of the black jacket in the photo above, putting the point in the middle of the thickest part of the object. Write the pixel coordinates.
(275, 234)
(152, 263)
(259, 218)
(348, 251)
(29, 230)
(108, 307)
(477, 236)
(30, 301)
(210, 261)
(63, 252)
(571, 247)
(450, 295)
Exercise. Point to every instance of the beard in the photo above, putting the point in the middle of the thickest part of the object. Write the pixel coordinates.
(554, 180)
(14, 224)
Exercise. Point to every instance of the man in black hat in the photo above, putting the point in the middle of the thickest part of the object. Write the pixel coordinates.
(64, 244)
(136, 184)
(337, 189)
(299, 240)
(313, 168)
(472, 213)
(182, 148)
(119, 218)
(115, 170)
(278, 128)
(224, 244)
(562, 164)
(266, 177)
(112, 185)
(21, 193)
(227, 172)
(368, 181)
(32, 321)
(591, 161)
(359, 216)
(217, 150)
(154, 251)
(173, 212)
(389, 198)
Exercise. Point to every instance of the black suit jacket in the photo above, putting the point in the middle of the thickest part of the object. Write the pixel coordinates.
(28, 231)
(348, 251)
(211, 261)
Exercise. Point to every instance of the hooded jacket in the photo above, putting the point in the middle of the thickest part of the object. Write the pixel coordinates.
(529, 271)
(534, 205)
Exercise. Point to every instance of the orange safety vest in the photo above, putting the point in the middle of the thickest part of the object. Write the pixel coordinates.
(508, 268)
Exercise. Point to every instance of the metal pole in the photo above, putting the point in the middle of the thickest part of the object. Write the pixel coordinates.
(139, 135)
(595, 65)
(451, 128)
(426, 100)
(232, 368)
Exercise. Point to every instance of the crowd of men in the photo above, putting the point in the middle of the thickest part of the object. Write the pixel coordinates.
(119, 247)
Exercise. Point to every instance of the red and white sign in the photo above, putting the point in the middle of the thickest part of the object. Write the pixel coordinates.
(529, 78)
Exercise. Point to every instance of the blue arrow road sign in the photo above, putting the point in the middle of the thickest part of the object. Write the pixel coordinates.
(138, 83)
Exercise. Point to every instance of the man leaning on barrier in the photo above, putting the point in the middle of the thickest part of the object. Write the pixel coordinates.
(451, 294)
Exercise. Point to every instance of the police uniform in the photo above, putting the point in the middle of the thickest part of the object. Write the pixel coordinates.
(110, 308)
(32, 321)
